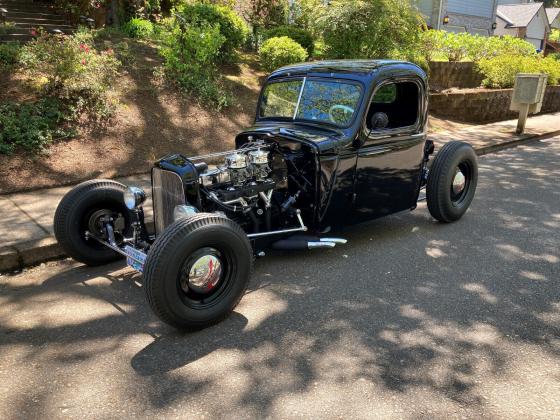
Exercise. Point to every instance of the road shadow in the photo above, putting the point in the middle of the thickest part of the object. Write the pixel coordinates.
(409, 305)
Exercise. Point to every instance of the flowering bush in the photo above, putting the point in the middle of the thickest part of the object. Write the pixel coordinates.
(71, 69)
(281, 51)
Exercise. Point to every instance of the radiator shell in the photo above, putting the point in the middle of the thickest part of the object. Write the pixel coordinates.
(168, 192)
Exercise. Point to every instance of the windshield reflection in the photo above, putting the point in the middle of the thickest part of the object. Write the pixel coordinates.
(332, 102)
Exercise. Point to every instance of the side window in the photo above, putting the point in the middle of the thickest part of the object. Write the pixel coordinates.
(386, 94)
(393, 106)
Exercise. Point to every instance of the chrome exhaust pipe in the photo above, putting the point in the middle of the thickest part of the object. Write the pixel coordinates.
(334, 240)
(320, 244)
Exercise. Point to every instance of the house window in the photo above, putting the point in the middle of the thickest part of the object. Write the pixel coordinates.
(481, 8)
(394, 106)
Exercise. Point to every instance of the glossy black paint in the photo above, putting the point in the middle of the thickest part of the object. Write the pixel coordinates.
(181, 165)
(361, 175)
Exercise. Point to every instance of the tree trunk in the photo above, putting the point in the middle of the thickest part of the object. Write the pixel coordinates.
(113, 13)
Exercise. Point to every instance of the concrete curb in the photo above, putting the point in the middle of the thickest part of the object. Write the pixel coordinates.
(26, 254)
(516, 141)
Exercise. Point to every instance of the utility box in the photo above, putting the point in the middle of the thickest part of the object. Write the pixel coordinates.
(529, 90)
(528, 95)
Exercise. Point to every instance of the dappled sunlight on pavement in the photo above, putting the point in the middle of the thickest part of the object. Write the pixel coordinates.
(411, 318)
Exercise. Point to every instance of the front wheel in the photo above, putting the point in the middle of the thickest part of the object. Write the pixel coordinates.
(197, 271)
(85, 208)
(452, 181)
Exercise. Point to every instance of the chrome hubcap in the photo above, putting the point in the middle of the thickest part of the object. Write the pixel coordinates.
(459, 182)
(204, 274)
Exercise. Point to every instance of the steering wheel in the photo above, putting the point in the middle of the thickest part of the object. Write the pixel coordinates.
(344, 108)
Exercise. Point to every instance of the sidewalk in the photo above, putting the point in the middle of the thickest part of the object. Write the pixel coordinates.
(26, 224)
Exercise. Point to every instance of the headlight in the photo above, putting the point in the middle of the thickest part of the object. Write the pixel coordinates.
(134, 197)
(182, 211)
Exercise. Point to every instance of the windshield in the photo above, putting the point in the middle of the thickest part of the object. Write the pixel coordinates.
(333, 102)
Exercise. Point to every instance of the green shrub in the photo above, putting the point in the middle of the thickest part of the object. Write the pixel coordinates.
(431, 44)
(449, 46)
(31, 126)
(494, 46)
(281, 51)
(72, 70)
(499, 72)
(301, 36)
(232, 27)
(190, 57)
(9, 54)
(139, 28)
(555, 56)
(369, 29)
(555, 35)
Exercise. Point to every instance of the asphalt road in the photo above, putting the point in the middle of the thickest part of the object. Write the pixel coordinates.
(411, 319)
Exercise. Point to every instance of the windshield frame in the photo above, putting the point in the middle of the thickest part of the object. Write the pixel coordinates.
(304, 79)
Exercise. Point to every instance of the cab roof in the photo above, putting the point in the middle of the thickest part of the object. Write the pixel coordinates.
(358, 67)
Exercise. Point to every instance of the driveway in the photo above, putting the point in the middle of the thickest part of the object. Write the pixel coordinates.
(410, 319)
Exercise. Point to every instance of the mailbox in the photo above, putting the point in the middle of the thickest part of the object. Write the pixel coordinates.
(528, 90)
(528, 95)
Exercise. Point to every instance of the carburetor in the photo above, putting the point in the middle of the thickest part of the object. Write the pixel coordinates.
(258, 161)
(243, 167)
(237, 167)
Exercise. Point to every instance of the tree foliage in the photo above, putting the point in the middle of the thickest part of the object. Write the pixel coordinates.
(231, 26)
(369, 28)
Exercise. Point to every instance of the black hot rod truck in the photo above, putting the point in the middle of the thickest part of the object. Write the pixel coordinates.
(334, 143)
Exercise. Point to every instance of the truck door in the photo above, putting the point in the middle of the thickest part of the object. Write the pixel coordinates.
(389, 162)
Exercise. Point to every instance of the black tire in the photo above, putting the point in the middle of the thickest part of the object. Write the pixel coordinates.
(446, 202)
(74, 212)
(170, 263)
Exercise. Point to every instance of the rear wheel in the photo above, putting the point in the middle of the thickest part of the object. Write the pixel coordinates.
(452, 181)
(197, 271)
(85, 208)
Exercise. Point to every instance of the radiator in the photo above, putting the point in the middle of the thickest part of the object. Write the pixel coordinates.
(168, 192)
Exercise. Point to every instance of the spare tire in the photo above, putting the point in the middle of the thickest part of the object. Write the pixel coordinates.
(452, 181)
(197, 271)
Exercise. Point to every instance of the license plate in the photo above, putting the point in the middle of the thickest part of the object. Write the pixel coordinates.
(135, 258)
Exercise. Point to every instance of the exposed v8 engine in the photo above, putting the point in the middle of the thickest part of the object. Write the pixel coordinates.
(257, 185)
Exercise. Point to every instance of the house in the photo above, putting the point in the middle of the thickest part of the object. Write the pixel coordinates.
(528, 21)
(553, 17)
(473, 16)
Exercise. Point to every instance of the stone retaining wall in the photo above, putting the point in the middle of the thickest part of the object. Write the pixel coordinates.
(485, 105)
(446, 75)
